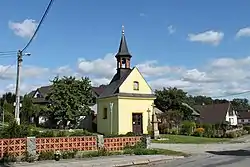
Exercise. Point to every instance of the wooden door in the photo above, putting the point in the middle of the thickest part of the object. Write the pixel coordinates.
(137, 123)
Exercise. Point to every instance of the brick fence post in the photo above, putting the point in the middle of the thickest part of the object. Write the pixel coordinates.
(31, 146)
(146, 140)
(100, 142)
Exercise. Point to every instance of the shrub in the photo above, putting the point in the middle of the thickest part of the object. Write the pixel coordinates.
(247, 128)
(28, 157)
(7, 158)
(231, 135)
(61, 134)
(80, 133)
(15, 131)
(199, 132)
(209, 130)
(69, 154)
(46, 155)
(174, 132)
(48, 133)
(187, 127)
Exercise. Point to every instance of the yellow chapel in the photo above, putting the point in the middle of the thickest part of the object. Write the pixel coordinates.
(126, 104)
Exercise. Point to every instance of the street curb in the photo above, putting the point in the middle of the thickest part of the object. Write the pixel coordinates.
(148, 162)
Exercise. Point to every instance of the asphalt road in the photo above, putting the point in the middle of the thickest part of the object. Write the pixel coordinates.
(211, 155)
(233, 158)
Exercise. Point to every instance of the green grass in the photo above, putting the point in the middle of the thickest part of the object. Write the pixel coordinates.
(189, 139)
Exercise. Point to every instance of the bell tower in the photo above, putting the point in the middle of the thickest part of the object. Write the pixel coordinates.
(123, 56)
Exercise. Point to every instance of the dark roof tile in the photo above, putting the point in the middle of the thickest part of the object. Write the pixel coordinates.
(214, 113)
(116, 82)
(244, 115)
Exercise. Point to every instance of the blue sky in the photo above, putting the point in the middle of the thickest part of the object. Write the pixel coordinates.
(162, 36)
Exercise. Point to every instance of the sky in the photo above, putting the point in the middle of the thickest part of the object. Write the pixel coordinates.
(201, 47)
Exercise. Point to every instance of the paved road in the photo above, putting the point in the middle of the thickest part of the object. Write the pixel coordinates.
(239, 158)
(211, 155)
(239, 143)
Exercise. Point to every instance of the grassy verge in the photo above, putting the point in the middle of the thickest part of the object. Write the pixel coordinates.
(142, 151)
(189, 139)
(134, 150)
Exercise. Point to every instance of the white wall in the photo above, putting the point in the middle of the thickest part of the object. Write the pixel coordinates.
(232, 119)
(243, 121)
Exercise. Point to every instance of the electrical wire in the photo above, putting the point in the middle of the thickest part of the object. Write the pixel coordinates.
(39, 25)
(5, 56)
(6, 69)
(6, 52)
(233, 94)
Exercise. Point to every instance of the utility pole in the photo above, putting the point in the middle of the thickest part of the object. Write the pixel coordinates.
(17, 107)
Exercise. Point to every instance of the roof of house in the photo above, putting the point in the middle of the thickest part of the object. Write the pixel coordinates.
(44, 90)
(214, 113)
(116, 82)
(195, 113)
(244, 115)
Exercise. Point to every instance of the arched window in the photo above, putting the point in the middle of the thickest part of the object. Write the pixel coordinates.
(136, 85)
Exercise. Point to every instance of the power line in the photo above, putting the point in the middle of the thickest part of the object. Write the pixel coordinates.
(6, 69)
(40, 23)
(5, 56)
(6, 52)
(233, 94)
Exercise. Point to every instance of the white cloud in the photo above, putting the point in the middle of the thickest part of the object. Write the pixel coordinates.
(171, 29)
(24, 29)
(210, 37)
(63, 71)
(102, 67)
(221, 76)
(244, 32)
(8, 72)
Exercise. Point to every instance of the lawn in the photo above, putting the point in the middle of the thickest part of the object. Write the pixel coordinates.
(188, 139)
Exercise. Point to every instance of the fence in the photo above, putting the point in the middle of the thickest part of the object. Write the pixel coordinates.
(33, 146)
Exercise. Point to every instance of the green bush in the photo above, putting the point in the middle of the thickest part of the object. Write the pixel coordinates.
(69, 154)
(174, 132)
(247, 128)
(7, 158)
(188, 127)
(231, 135)
(15, 131)
(61, 133)
(46, 155)
(48, 133)
(129, 134)
(199, 132)
(80, 133)
(209, 130)
(28, 157)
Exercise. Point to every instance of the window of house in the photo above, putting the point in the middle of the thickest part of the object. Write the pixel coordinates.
(105, 113)
(136, 85)
(231, 120)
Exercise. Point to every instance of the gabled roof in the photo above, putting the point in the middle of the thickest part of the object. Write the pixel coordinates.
(44, 90)
(115, 83)
(194, 113)
(244, 115)
(214, 113)
(98, 90)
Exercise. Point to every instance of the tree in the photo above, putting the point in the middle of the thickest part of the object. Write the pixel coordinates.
(200, 100)
(240, 104)
(70, 98)
(9, 97)
(170, 98)
(27, 109)
(8, 110)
